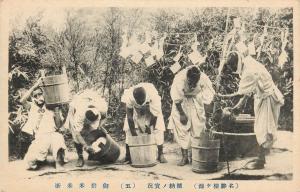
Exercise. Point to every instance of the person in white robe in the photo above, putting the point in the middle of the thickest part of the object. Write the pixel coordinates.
(256, 80)
(144, 116)
(191, 89)
(86, 114)
(43, 125)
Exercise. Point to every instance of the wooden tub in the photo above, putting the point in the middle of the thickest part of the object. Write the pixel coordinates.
(238, 138)
(143, 150)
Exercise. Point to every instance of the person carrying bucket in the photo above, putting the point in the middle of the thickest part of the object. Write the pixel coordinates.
(144, 115)
(191, 89)
(43, 124)
(86, 116)
(256, 80)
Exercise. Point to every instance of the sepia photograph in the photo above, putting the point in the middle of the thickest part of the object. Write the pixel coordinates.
(157, 94)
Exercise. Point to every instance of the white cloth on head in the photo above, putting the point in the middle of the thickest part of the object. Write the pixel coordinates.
(192, 102)
(268, 99)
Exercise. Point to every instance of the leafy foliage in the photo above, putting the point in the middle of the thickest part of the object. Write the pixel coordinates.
(89, 45)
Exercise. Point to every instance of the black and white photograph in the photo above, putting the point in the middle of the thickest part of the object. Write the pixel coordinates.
(160, 94)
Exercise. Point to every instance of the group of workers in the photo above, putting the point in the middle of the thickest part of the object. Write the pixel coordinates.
(190, 91)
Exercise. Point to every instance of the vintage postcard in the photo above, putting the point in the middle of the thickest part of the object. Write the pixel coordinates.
(149, 95)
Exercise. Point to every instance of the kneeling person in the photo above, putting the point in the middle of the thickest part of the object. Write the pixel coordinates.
(86, 116)
(144, 115)
(43, 124)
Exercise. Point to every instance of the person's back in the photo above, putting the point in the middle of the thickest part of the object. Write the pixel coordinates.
(262, 80)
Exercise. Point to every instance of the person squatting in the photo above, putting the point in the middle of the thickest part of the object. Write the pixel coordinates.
(43, 124)
(190, 91)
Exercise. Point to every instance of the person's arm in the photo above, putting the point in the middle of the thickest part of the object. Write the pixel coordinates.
(228, 95)
(153, 121)
(57, 118)
(102, 120)
(228, 111)
(131, 125)
(236, 109)
(28, 93)
(154, 107)
(183, 117)
(75, 133)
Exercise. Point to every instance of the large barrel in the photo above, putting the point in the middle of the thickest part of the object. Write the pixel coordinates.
(205, 155)
(56, 89)
(110, 151)
(237, 138)
(143, 150)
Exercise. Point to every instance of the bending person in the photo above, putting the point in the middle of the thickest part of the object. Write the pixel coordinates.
(87, 115)
(256, 80)
(144, 115)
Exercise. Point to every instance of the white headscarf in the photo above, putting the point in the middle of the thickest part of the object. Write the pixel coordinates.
(242, 51)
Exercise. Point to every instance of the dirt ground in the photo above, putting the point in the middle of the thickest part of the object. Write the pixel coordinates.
(279, 167)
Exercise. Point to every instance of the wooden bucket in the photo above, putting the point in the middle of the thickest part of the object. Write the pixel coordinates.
(110, 151)
(205, 155)
(56, 89)
(238, 138)
(143, 150)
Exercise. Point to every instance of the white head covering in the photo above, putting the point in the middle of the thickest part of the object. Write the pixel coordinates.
(242, 51)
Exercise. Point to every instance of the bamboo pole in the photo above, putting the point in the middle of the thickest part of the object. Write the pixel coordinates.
(218, 79)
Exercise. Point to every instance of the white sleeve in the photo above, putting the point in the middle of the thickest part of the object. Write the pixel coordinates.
(208, 91)
(126, 98)
(155, 104)
(176, 92)
(102, 106)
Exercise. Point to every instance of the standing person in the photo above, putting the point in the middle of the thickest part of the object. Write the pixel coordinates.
(43, 124)
(144, 115)
(87, 115)
(256, 80)
(191, 89)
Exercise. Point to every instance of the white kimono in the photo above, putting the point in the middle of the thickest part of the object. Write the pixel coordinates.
(267, 99)
(152, 106)
(80, 103)
(47, 140)
(192, 102)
